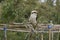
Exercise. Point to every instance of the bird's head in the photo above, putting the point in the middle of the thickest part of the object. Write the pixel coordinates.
(34, 11)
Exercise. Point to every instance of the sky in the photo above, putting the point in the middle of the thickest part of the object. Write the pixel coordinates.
(54, 3)
(42, 0)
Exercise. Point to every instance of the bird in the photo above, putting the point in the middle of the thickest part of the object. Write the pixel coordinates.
(33, 18)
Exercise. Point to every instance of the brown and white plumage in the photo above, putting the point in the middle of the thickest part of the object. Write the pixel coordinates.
(33, 17)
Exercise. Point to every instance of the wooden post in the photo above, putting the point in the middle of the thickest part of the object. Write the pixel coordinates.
(49, 27)
(41, 36)
(5, 35)
(52, 35)
(49, 34)
(58, 35)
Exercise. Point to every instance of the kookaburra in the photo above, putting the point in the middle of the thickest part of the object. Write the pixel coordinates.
(33, 17)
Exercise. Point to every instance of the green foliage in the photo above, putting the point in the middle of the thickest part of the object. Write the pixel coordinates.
(16, 10)
(19, 10)
(7, 11)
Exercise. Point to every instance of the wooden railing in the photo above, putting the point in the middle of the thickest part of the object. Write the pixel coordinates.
(41, 29)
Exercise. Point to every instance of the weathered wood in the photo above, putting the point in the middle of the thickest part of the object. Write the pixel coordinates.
(50, 34)
(41, 36)
(40, 26)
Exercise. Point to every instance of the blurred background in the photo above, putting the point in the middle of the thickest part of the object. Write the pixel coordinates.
(19, 11)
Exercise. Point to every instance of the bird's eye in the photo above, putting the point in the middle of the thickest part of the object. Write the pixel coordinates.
(34, 12)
